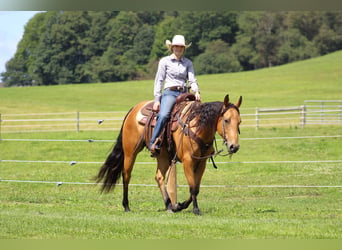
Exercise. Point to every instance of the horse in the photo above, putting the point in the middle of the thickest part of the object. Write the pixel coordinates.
(193, 141)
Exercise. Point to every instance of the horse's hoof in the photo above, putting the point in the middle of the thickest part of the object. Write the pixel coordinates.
(170, 211)
(169, 208)
(177, 207)
(197, 211)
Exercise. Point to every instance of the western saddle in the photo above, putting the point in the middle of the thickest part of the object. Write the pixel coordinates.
(148, 119)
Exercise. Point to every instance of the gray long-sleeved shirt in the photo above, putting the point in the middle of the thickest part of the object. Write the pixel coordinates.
(174, 73)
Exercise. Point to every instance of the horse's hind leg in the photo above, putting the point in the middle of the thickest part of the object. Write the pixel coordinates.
(132, 146)
(126, 177)
(163, 165)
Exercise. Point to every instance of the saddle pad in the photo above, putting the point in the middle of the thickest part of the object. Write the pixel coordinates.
(147, 109)
(144, 113)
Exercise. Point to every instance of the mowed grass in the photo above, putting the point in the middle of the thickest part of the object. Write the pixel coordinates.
(71, 210)
(258, 193)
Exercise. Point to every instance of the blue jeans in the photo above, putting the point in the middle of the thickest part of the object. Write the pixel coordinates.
(167, 101)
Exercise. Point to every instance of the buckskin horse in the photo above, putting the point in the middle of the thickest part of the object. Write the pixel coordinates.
(192, 139)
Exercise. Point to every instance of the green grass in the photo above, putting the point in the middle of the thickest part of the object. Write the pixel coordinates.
(75, 211)
(287, 85)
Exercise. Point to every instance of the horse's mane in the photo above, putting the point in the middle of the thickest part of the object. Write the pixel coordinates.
(207, 114)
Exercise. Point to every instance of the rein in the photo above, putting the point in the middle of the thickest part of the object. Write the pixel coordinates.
(185, 128)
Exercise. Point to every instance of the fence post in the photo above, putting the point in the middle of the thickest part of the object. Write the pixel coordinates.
(77, 121)
(322, 111)
(303, 115)
(256, 118)
(340, 108)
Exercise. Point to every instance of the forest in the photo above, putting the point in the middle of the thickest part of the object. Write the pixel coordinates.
(64, 47)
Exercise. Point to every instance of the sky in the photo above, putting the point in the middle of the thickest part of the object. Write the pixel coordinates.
(12, 25)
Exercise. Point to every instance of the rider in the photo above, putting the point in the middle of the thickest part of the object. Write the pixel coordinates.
(173, 72)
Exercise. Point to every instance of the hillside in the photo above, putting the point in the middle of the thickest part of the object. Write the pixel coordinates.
(287, 85)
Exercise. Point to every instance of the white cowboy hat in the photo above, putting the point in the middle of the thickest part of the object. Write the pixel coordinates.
(177, 40)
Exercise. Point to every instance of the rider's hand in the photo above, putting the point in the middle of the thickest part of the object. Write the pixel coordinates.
(198, 96)
(156, 106)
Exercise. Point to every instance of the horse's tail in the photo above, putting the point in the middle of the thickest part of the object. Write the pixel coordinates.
(111, 170)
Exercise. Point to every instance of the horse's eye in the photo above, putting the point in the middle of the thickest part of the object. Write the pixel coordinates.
(227, 121)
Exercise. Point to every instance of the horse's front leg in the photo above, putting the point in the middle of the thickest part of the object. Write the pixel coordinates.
(160, 179)
(194, 202)
(193, 172)
(186, 204)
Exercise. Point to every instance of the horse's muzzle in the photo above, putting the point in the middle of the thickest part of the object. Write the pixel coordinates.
(233, 148)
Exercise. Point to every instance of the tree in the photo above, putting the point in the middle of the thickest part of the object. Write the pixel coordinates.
(120, 37)
(217, 58)
(307, 22)
(19, 68)
(202, 27)
(15, 74)
(244, 48)
(62, 49)
(94, 40)
(295, 47)
(163, 31)
(329, 37)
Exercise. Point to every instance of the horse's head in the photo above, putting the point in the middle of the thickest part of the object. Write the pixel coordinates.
(228, 124)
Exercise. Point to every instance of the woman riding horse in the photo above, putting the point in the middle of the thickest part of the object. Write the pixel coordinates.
(193, 140)
(175, 70)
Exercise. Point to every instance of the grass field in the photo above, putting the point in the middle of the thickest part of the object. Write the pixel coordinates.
(286, 188)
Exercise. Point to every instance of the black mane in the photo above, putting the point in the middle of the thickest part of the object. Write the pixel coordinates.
(207, 114)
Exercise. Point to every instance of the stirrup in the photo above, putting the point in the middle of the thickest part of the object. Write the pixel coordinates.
(155, 148)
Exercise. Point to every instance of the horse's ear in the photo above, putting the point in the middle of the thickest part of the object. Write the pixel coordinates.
(238, 103)
(226, 101)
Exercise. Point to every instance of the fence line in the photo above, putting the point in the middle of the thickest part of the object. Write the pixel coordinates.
(219, 139)
(58, 140)
(59, 183)
(279, 111)
(313, 112)
(71, 163)
(68, 113)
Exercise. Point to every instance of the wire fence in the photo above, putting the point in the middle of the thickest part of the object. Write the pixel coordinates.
(73, 162)
(59, 183)
(55, 122)
(219, 139)
(313, 112)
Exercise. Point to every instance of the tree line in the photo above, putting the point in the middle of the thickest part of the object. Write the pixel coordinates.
(61, 47)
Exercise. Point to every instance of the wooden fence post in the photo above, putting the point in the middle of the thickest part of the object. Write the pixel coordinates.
(256, 118)
(303, 115)
(77, 121)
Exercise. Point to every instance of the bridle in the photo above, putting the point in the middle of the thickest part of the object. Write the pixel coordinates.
(185, 128)
(225, 141)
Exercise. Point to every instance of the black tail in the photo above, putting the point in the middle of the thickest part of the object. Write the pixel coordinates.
(111, 170)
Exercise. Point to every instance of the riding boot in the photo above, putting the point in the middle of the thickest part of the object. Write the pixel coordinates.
(155, 147)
